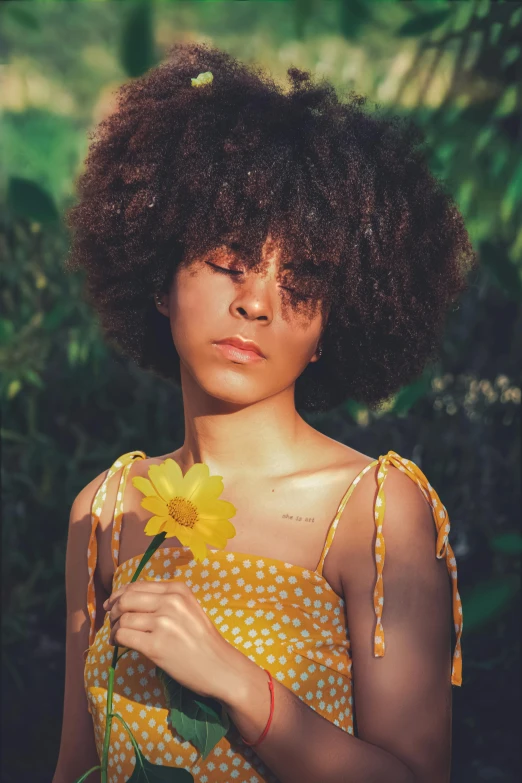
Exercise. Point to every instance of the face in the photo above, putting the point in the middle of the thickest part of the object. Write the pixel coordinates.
(217, 298)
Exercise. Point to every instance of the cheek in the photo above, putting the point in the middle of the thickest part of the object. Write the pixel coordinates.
(195, 312)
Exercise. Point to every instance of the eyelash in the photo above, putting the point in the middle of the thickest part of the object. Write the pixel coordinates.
(234, 272)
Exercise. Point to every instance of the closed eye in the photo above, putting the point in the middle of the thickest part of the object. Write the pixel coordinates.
(224, 270)
(235, 272)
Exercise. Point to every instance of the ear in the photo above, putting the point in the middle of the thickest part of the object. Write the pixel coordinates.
(317, 355)
(162, 304)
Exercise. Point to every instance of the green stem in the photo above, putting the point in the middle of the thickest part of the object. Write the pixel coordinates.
(86, 774)
(135, 745)
(154, 544)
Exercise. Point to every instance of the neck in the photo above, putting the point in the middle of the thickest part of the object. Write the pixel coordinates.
(266, 436)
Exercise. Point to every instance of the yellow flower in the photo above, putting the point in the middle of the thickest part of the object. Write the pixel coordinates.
(187, 506)
(204, 78)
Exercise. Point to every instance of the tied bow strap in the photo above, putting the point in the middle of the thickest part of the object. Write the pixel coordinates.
(443, 549)
(125, 462)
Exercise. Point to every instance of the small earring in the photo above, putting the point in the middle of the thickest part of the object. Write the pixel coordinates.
(159, 299)
(320, 351)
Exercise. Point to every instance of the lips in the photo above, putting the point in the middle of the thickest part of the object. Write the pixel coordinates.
(244, 345)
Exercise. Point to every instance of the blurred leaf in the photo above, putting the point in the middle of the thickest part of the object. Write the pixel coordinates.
(424, 23)
(503, 271)
(513, 194)
(33, 378)
(55, 317)
(353, 15)
(409, 395)
(507, 543)
(13, 389)
(137, 53)
(303, 10)
(357, 411)
(6, 330)
(29, 200)
(22, 17)
(486, 600)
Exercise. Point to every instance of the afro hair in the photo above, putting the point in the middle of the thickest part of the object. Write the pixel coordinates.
(178, 170)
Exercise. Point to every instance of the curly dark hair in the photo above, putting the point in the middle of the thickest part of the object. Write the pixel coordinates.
(178, 170)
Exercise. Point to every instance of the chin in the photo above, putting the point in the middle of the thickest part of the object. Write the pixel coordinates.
(232, 388)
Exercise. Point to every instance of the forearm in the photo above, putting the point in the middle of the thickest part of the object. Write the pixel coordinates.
(301, 746)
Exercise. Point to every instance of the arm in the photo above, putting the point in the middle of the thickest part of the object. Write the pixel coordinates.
(77, 747)
(402, 700)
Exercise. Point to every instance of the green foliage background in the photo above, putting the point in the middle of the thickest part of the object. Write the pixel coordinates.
(70, 405)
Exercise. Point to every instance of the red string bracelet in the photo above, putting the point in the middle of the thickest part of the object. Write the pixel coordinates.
(263, 735)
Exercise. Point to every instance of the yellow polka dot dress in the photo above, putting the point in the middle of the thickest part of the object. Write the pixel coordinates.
(285, 618)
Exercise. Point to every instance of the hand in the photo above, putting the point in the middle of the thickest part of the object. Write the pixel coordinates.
(164, 621)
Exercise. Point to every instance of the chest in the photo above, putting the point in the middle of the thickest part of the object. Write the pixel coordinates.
(283, 520)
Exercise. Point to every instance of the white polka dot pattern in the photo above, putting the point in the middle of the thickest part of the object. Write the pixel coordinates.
(285, 618)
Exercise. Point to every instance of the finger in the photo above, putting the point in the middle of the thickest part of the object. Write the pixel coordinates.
(132, 621)
(133, 639)
(147, 586)
(133, 587)
(133, 601)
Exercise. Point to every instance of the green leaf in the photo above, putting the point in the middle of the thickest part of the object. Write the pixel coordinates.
(424, 23)
(508, 543)
(145, 772)
(206, 708)
(486, 600)
(200, 720)
(29, 200)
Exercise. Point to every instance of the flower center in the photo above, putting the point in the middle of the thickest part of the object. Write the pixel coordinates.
(183, 511)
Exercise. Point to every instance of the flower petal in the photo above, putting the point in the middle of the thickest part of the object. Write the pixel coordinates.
(199, 549)
(209, 489)
(164, 488)
(155, 525)
(212, 536)
(216, 509)
(223, 526)
(144, 485)
(172, 528)
(174, 475)
(156, 505)
(184, 534)
(193, 477)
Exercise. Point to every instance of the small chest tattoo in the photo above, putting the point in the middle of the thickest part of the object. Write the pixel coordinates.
(298, 518)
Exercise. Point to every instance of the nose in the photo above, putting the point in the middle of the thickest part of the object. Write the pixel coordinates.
(255, 298)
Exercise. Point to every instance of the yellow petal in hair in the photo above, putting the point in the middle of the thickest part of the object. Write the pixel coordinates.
(187, 506)
(203, 78)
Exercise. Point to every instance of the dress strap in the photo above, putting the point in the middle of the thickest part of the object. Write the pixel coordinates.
(344, 500)
(443, 548)
(124, 461)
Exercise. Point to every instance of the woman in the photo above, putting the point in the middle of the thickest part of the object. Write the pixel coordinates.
(218, 211)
